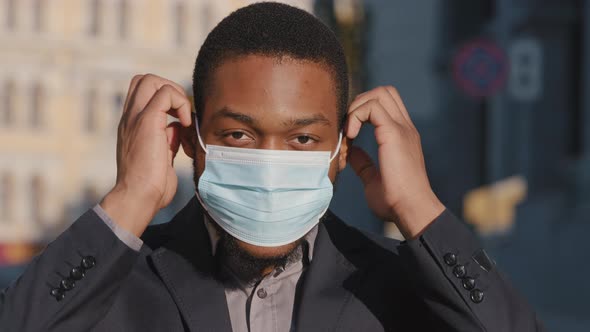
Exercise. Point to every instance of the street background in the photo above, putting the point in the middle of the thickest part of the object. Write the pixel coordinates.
(499, 90)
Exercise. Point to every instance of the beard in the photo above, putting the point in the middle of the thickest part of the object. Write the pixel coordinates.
(236, 265)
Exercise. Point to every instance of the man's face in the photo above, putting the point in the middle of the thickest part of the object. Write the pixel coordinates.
(262, 102)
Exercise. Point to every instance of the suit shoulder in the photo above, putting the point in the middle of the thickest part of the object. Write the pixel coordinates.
(347, 237)
(383, 241)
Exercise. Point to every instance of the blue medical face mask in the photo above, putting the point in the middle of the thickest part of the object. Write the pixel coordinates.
(266, 198)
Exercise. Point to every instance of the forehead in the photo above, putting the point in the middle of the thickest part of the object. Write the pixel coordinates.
(279, 88)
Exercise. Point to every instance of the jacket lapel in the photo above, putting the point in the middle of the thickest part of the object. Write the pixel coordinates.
(330, 281)
(186, 266)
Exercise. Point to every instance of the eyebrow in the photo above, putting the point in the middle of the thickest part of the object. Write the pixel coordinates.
(302, 122)
(226, 112)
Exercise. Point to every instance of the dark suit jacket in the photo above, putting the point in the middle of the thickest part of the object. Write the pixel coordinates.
(356, 282)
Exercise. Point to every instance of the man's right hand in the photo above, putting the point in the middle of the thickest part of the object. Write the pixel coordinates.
(146, 147)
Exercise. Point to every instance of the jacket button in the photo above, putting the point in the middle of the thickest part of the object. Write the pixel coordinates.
(77, 273)
(261, 293)
(468, 283)
(67, 284)
(459, 271)
(476, 296)
(58, 293)
(88, 262)
(450, 259)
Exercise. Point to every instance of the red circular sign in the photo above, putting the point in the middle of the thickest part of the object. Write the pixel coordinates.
(480, 68)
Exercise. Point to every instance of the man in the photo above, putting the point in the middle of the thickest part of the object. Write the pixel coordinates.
(255, 250)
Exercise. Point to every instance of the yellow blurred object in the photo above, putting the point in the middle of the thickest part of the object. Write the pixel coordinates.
(491, 209)
(17, 253)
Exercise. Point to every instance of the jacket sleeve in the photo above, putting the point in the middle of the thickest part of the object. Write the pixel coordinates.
(460, 283)
(72, 284)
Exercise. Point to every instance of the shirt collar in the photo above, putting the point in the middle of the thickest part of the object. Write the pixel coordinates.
(214, 237)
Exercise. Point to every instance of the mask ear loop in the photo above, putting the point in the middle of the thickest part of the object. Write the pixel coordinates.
(337, 147)
(199, 135)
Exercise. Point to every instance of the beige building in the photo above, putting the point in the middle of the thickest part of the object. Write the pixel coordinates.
(64, 70)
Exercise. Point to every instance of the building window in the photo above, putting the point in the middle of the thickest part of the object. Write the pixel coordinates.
(8, 106)
(90, 113)
(180, 23)
(38, 15)
(6, 197)
(36, 105)
(10, 14)
(95, 13)
(37, 195)
(123, 17)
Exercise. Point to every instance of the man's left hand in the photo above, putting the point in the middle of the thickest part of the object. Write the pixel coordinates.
(398, 189)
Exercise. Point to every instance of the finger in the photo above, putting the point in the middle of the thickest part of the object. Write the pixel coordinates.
(362, 165)
(145, 89)
(385, 98)
(132, 85)
(371, 111)
(130, 93)
(168, 100)
(156, 82)
(172, 136)
(400, 103)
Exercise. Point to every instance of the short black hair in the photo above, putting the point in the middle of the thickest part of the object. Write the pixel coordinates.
(275, 30)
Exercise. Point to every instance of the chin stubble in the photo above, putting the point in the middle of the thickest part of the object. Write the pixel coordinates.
(249, 269)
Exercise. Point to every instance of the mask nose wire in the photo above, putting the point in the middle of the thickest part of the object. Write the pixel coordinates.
(199, 135)
(337, 147)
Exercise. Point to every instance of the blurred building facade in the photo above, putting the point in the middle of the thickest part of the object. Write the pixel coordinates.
(64, 73)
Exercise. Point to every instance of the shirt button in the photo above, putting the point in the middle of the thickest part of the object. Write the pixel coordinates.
(261, 293)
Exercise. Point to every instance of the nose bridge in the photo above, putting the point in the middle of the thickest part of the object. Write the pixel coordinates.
(272, 142)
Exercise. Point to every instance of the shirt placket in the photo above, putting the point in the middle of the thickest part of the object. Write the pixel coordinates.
(263, 311)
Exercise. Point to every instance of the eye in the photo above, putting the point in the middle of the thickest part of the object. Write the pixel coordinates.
(237, 138)
(237, 135)
(303, 139)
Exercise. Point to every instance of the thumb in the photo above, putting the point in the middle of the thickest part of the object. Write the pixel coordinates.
(362, 165)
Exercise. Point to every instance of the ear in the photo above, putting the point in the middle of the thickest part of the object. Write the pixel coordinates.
(188, 139)
(344, 149)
